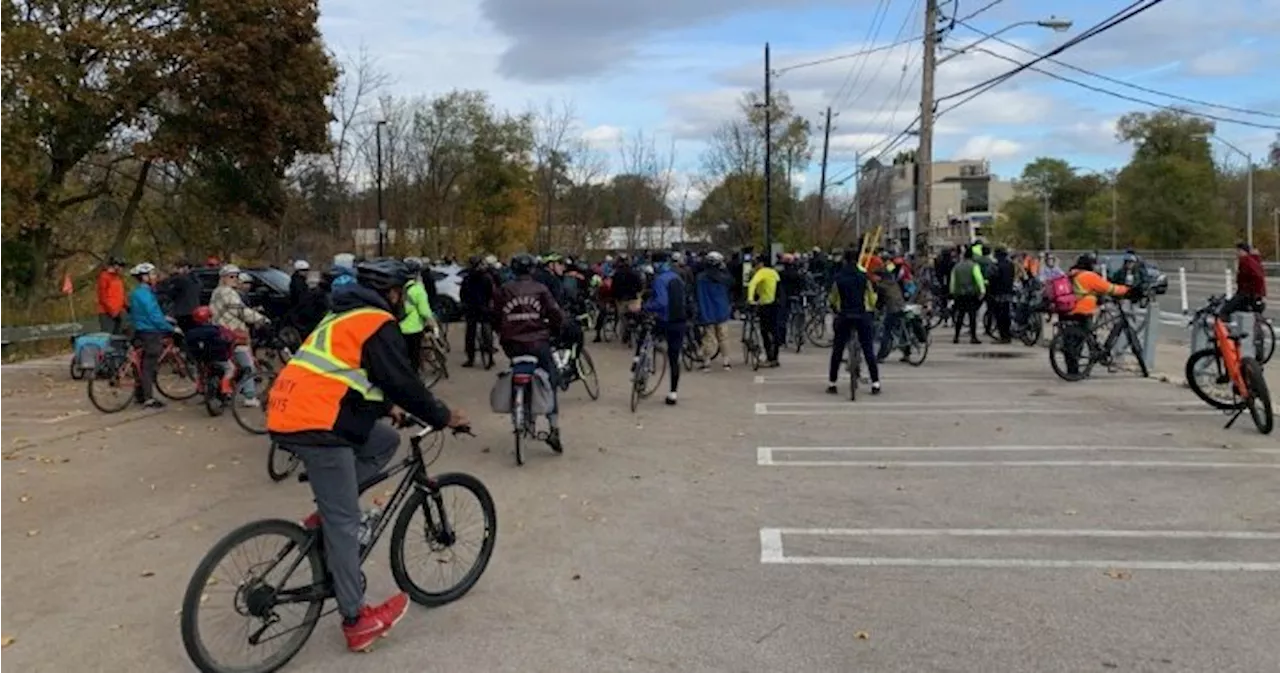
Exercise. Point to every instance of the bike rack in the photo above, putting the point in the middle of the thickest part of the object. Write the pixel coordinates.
(1148, 329)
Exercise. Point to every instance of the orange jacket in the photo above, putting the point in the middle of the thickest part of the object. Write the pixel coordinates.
(1088, 285)
(110, 293)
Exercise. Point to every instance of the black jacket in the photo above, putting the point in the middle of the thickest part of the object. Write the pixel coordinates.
(183, 292)
(1000, 283)
(386, 361)
(297, 288)
(851, 287)
(627, 283)
(476, 291)
(525, 315)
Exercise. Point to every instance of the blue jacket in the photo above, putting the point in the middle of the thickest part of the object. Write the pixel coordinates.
(668, 297)
(714, 306)
(145, 313)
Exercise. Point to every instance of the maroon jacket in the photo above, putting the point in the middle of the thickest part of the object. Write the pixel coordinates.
(525, 315)
(1251, 280)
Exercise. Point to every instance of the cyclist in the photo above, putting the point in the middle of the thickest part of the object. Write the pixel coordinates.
(668, 303)
(525, 316)
(325, 408)
(762, 292)
(791, 287)
(418, 316)
(211, 345)
(150, 327)
(230, 311)
(1088, 285)
(476, 292)
(625, 288)
(849, 299)
(715, 308)
(1251, 283)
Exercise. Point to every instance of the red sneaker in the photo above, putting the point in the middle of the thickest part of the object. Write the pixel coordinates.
(312, 521)
(375, 622)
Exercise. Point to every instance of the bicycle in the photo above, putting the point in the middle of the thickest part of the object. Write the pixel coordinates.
(797, 322)
(912, 335)
(524, 413)
(816, 329)
(281, 462)
(575, 364)
(1264, 333)
(259, 597)
(1248, 385)
(647, 370)
(752, 348)
(1078, 332)
(691, 352)
(434, 365)
(119, 370)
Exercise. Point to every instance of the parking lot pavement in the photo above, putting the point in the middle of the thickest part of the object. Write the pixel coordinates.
(978, 516)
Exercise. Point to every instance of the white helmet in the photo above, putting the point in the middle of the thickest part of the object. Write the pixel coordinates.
(301, 265)
(677, 258)
(345, 260)
(229, 270)
(608, 258)
(491, 261)
(715, 257)
(142, 269)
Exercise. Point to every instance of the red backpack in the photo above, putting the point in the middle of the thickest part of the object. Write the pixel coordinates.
(1061, 294)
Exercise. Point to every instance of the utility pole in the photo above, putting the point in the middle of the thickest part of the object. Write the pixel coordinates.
(1047, 242)
(382, 220)
(924, 153)
(1115, 212)
(822, 181)
(768, 159)
(1249, 203)
(1275, 232)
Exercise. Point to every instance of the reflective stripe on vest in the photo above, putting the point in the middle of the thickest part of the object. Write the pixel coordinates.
(316, 357)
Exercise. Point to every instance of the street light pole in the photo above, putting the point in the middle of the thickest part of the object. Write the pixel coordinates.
(1047, 245)
(1248, 236)
(768, 159)
(382, 220)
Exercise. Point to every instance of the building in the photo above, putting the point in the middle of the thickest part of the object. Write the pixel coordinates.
(965, 199)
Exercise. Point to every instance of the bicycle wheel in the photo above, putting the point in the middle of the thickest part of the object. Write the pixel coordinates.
(989, 324)
(855, 365)
(112, 386)
(687, 356)
(281, 462)
(175, 377)
(1207, 377)
(609, 328)
(251, 591)
(1264, 340)
(251, 412)
(444, 336)
(657, 372)
(443, 526)
(637, 381)
(433, 366)
(1032, 330)
(587, 373)
(918, 337)
(519, 419)
(1084, 363)
(817, 331)
(1259, 396)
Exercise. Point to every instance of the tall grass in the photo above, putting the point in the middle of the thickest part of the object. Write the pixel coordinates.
(82, 306)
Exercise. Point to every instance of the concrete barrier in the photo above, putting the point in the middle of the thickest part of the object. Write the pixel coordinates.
(32, 333)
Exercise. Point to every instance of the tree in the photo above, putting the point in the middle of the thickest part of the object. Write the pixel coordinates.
(551, 128)
(1168, 189)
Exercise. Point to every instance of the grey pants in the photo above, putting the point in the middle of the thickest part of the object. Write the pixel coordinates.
(109, 324)
(335, 473)
(152, 349)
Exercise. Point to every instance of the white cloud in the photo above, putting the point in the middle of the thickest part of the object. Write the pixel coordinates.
(1223, 63)
(603, 137)
(988, 147)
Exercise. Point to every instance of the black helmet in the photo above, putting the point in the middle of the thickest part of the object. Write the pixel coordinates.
(115, 260)
(382, 274)
(522, 264)
(413, 265)
(1086, 261)
(474, 261)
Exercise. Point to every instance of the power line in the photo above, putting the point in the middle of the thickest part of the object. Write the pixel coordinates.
(1116, 94)
(1120, 82)
(841, 57)
(980, 10)
(1103, 26)
(850, 79)
(906, 21)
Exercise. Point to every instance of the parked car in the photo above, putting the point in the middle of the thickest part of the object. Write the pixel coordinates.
(268, 291)
(448, 281)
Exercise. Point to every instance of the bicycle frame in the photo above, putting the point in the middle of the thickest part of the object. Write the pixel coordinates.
(1230, 356)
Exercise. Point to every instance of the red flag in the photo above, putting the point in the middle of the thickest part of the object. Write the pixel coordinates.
(67, 288)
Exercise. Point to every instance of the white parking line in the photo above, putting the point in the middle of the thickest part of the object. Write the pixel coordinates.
(772, 552)
(934, 409)
(820, 377)
(767, 456)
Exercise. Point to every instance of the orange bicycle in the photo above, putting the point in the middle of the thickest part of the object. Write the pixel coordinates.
(1225, 380)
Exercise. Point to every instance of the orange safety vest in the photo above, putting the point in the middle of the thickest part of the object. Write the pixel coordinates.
(307, 395)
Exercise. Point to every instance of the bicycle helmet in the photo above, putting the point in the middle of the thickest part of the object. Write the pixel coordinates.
(522, 264)
(202, 315)
(491, 261)
(381, 275)
(302, 265)
(142, 269)
(229, 270)
(115, 260)
(715, 258)
(413, 265)
(1086, 261)
(474, 261)
(553, 257)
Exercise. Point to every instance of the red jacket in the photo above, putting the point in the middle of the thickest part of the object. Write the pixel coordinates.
(110, 293)
(1251, 280)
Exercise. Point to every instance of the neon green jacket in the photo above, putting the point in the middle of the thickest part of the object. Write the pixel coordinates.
(417, 310)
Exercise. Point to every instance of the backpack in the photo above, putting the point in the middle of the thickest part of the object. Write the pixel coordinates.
(1061, 294)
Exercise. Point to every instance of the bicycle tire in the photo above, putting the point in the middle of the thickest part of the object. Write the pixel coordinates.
(919, 348)
(588, 374)
(1219, 370)
(1135, 346)
(281, 463)
(184, 369)
(194, 597)
(1057, 345)
(433, 366)
(1259, 401)
(855, 364)
(686, 357)
(637, 385)
(519, 421)
(77, 372)
(262, 381)
(817, 332)
(657, 372)
(418, 500)
(486, 347)
(114, 380)
(989, 324)
(1032, 330)
(1264, 340)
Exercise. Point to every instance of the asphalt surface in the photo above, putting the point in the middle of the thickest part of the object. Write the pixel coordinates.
(978, 516)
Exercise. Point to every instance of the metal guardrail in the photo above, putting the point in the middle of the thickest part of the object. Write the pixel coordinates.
(33, 333)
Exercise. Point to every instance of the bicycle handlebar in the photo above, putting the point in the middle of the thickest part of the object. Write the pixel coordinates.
(427, 428)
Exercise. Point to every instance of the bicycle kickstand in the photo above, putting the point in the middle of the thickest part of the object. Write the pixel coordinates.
(1233, 418)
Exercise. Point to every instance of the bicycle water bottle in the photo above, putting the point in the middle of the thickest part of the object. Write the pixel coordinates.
(369, 521)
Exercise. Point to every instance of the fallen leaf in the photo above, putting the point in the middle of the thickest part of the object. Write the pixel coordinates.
(1117, 574)
(24, 498)
(22, 471)
(576, 576)
(33, 532)
(564, 495)
(153, 536)
(197, 527)
(6, 641)
(882, 467)
(116, 627)
(64, 460)
(235, 462)
(147, 573)
(862, 635)
(900, 488)
(212, 581)
(1070, 512)
(203, 598)
(210, 466)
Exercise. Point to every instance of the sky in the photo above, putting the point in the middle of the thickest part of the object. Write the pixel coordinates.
(675, 69)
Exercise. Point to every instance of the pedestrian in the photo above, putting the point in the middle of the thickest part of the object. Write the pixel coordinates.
(110, 289)
(714, 289)
(669, 305)
(1001, 291)
(968, 285)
